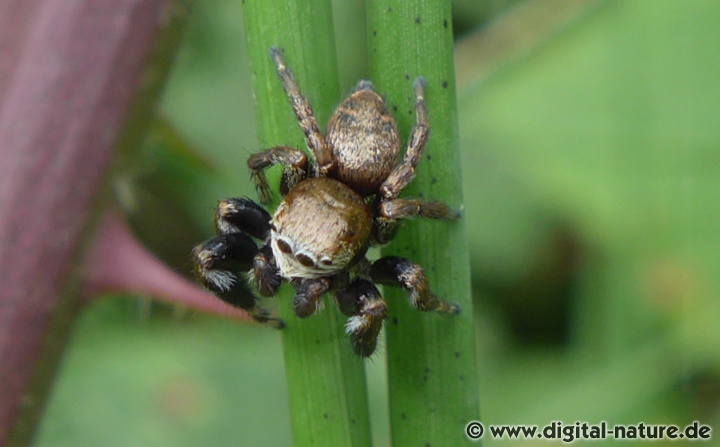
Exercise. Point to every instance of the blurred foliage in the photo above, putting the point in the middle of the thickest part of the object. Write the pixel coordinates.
(592, 176)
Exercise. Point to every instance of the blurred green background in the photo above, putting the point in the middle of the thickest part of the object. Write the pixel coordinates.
(591, 162)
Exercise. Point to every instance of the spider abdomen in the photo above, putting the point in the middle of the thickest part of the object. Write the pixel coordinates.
(364, 140)
(320, 228)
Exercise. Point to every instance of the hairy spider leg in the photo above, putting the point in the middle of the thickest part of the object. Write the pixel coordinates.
(392, 208)
(308, 293)
(303, 111)
(404, 173)
(245, 216)
(362, 301)
(384, 229)
(396, 271)
(295, 169)
(217, 263)
(265, 274)
(407, 208)
(385, 224)
(242, 215)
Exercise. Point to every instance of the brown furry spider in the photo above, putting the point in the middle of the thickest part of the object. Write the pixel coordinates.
(333, 209)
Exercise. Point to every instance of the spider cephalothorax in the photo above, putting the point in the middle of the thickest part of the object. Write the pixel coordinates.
(332, 211)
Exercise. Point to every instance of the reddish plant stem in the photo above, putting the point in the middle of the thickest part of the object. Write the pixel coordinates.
(69, 74)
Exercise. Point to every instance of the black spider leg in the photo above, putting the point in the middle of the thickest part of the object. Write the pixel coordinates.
(362, 301)
(217, 262)
(396, 271)
(245, 216)
(308, 292)
(295, 169)
(303, 111)
(242, 216)
(265, 273)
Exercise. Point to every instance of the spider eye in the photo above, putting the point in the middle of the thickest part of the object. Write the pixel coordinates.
(326, 261)
(305, 260)
(284, 246)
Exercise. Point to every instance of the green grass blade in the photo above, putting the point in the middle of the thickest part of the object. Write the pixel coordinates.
(431, 358)
(326, 381)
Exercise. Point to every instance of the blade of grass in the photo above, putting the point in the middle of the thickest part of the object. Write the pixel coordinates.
(431, 358)
(326, 381)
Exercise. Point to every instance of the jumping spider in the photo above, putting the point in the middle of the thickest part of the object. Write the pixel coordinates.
(334, 207)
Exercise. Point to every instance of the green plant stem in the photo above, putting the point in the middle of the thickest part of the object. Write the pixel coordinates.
(326, 381)
(431, 358)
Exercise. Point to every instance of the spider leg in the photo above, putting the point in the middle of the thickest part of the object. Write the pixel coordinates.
(294, 161)
(237, 216)
(216, 262)
(384, 230)
(301, 106)
(404, 173)
(395, 271)
(242, 216)
(366, 307)
(308, 293)
(386, 223)
(409, 208)
(265, 273)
